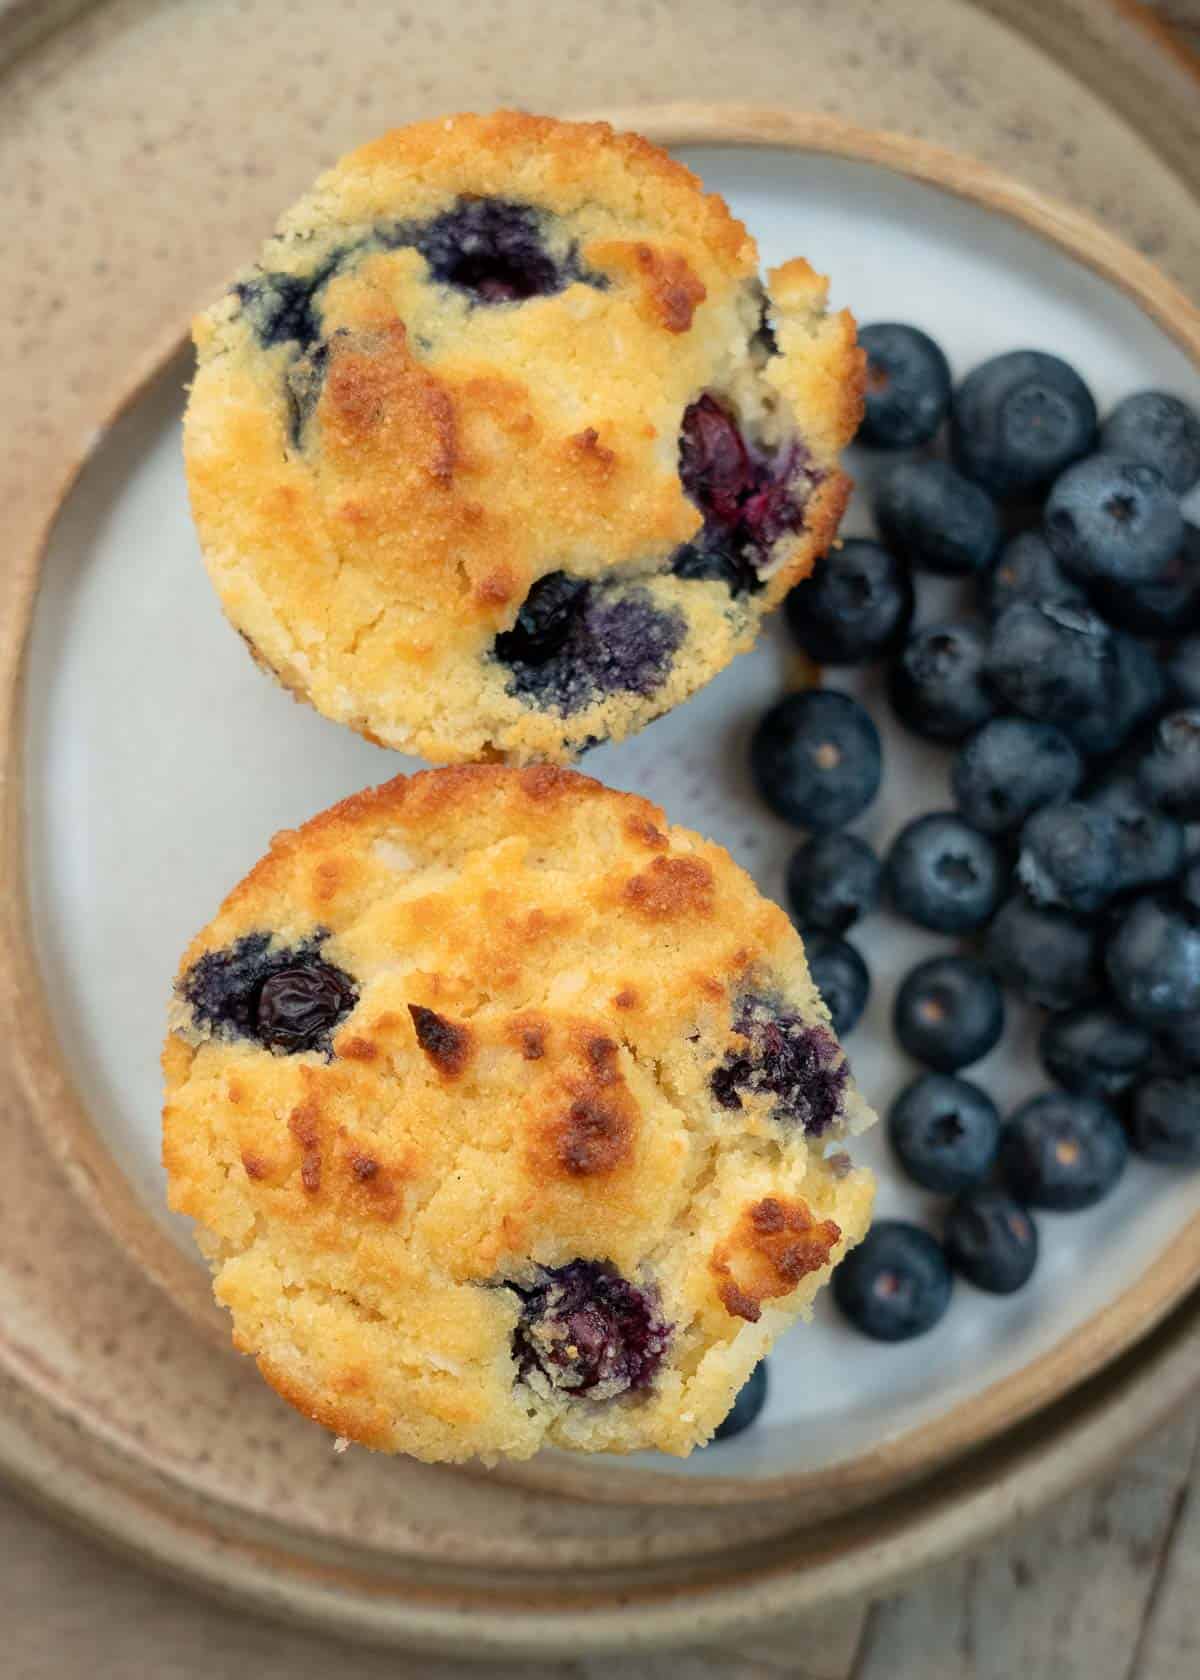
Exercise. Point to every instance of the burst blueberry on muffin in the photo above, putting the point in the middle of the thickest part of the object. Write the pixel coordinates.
(505, 1116)
(502, 448)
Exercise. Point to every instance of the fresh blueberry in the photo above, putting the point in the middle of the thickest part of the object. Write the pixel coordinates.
(1026, 571)
(494, 250)
(1068, 856)
(1165, 1122)
(1054, 662)
(939, 521)
(1153, 961)
(817, 759)
(991, 1240)
(1150, 844)
(949, 1012)
(582, 644)
(1043, 955)
(584, 1329)
(1062, 1151)
(937, 684)
(896, 1284)
(908, 386)
(1141, 690)
(1189, 885)
(1183, 671)
(1160, 431)
(1168, 606)
(832, 880)
(799, 1066)
(842, 978)
(1169, 774)
(749, 497)
(750, 1400)
(944, 1132)
(855, 606)
(1180, 1043)
(1113, 520)
(286, 998)
(943, 874)
(1094, 1051)
(1011, 768)
(1019, 419)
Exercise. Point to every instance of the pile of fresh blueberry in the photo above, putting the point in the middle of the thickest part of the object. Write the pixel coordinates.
(1070, 698)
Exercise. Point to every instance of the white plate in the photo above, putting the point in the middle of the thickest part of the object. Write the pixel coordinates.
(162, 761)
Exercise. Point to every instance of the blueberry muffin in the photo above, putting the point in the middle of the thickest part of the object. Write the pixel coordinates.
(507, 1116)
(502, 449)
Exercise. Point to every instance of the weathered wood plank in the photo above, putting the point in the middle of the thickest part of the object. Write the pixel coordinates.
(1170, 1646)
(1063, 1598)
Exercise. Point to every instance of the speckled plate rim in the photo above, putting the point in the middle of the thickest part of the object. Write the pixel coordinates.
(893, 1463)
(81, 1475)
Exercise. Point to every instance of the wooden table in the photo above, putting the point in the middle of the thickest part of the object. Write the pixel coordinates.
(1105, 1587)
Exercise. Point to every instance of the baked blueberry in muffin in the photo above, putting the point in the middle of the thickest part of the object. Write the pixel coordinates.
(502, 447)
(508, 1115)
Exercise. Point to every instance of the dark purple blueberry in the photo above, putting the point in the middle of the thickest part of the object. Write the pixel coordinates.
(832, 880)
(1043, 955)
(1169, 773)
(785, 1058)
(855, 606)
(544, 621)
(1150, 844)
(749, 1402)
(936, 519)
(937, 684)
(908, 386)
(749, 498)
(1168, 606)
(1153, 961)
(991, 1240)
(1114, 521)
(816, 759)
(494, 250)
(1095, 1050)
(585, 1329)
(1011, 768)
(1069, 856)
(842, 978)
(1164, 1124)
(1160, 431)
(1054, 662)
(283, 997)
(943, 874)
(299, 1007)
(949, 1012)
(895, 1284)
(1183, 671)
(944, 1132)
(1063, 1152)
(1026, 571)
(1019, 419)
(614, 644)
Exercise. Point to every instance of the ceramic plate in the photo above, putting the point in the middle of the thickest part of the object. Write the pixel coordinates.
(165, 761)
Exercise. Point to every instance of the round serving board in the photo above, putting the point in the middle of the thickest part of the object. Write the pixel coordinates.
(157, 763)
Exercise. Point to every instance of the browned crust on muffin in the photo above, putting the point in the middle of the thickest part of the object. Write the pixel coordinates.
(774, 1245)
